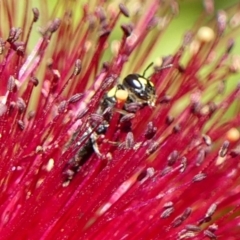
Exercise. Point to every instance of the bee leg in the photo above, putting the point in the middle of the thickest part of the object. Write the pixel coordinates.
(94, 137)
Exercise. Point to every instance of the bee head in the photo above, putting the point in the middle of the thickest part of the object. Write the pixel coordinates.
(140, 89)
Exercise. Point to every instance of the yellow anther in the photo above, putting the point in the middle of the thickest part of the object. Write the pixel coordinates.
(121, 95)
(233, 135)
(158, 62)
(205, 34)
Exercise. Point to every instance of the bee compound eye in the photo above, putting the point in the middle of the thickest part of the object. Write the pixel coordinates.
(132, 82)
(136, 84)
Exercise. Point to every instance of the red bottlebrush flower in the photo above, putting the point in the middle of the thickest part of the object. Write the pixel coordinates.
(88, 153)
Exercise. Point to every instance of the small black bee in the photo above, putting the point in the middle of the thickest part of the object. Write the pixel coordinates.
(139, 90)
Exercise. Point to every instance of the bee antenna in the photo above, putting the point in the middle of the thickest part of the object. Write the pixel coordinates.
(147, 68)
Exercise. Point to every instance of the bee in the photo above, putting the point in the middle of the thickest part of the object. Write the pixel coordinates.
(139, 90)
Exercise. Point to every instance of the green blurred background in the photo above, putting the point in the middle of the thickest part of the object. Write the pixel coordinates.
(189, 12)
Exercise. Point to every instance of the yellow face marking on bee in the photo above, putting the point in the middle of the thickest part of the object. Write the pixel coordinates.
(112, 92)
(143, 81)
(151, 83)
